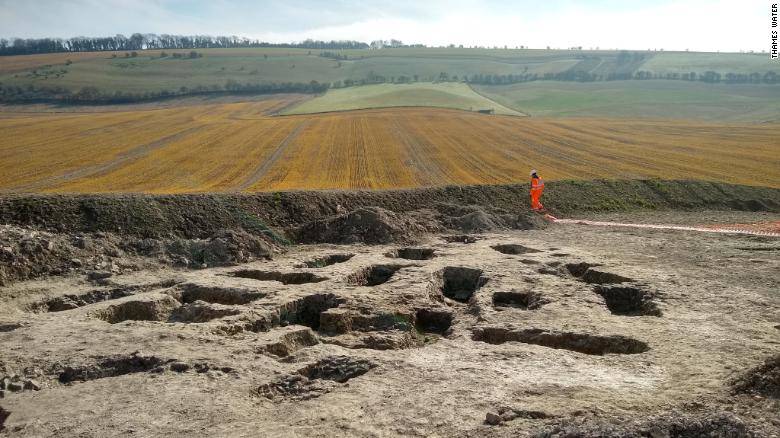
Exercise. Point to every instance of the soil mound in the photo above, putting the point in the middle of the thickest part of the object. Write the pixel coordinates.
(224, 248)
(761, 380)
(28, 254)
(371, 225)
(477, 219)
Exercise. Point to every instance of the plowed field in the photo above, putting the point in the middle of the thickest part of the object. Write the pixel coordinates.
(238, 147)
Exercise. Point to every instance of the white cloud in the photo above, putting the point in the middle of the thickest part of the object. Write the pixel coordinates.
(725, 25)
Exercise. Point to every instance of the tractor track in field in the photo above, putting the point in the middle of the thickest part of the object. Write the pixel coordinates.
(266, 165)
(430, 169)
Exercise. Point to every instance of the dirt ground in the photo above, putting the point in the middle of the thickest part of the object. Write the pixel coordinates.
(563, 331)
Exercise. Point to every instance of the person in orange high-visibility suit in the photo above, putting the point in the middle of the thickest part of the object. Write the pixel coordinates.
(537, 187)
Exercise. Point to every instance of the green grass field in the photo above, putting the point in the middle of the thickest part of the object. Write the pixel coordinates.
(660, 99)
(719, 62)
(444, 95)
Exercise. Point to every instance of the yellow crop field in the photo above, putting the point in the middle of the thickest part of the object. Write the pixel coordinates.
(238, 147)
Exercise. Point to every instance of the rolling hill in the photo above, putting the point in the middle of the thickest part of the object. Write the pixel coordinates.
(444, 95)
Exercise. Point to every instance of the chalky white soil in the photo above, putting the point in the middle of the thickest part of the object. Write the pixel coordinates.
(567, 325)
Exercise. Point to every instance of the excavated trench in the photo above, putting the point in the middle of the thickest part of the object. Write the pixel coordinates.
(521, 300)
(578, 342)
(459, 238)
(306, 311)
(457, 283)
(281, 277)
(413, 253)
(201, 311)
(151, 308)
(332, 259)
(111, 367)
(163, 308)
(74, 301)
(586, 273)
(513, 249)
(373, 275)
(628, 301)
(433, 320)
(191, 292)
(9, 327)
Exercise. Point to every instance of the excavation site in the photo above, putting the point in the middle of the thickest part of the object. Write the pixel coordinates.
(402, 314)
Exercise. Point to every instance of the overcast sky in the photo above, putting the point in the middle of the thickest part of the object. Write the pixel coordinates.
(706, 25)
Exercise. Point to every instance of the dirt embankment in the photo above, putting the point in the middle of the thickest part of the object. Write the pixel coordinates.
(100, 235)
(201, 215)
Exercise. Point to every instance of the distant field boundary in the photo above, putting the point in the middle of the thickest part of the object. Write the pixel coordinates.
(524, 113)
(200, 215)
(384, 108)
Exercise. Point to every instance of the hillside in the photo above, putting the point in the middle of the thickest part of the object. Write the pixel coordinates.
(658, 99)
(444, 95)
(155, 71)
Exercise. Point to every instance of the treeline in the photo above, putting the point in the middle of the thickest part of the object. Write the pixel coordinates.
(93, 95)
(569, 76)
(769, 77)
(137, 41)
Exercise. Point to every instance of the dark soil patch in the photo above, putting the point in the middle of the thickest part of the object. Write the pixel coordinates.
(413, 253)
(316, 379)
(522, 300)
(762, 380)
(579, 342)
(458, 283)
(600, 277)
(504, 414)
(513, 249)
(578, 269)
(586, 273)
(111, 367)
(282, 277)
(306, 311)
(332, 259)
(3, 416)
(373, 275)
(191, 292)
(529, 262)
(459, 238)
(433, 320)
(628, 301)
(9, 327)
(337, 368)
